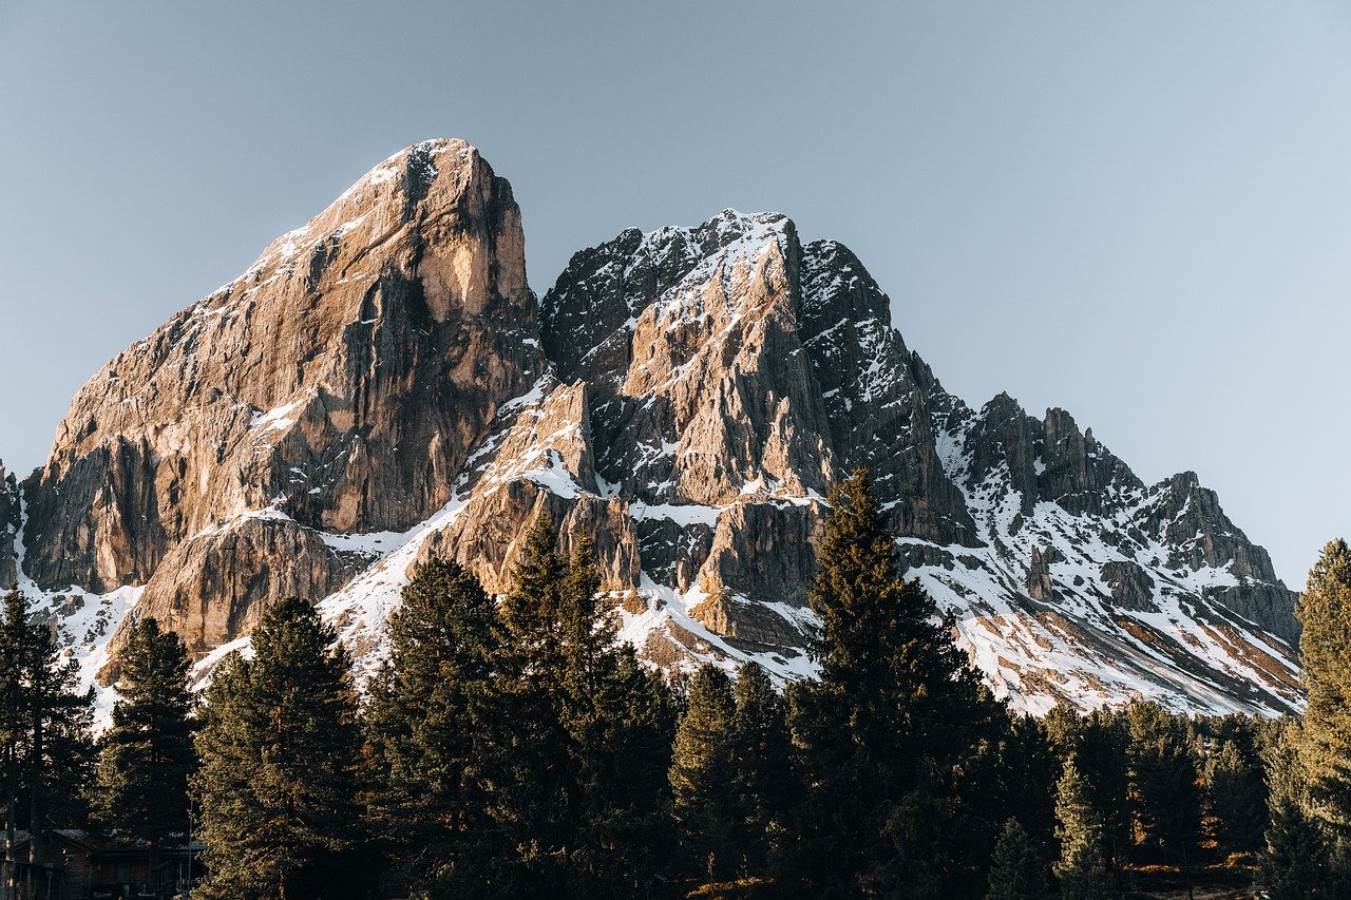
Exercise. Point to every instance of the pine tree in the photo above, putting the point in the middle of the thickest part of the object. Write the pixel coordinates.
(147, 755)
(1017, 871)
(619, 725)
(590, 742)
(1081, 869)
(1295, 864)
(762, 772)
(57, 770)
(1238, 797)
(535, 804)
(898, 736)
(1163, 777)
(1324, 738)
(278, 783)
(702, 775)
(1099, 744)
(14, 639)
(1029, 771)
(432, 720)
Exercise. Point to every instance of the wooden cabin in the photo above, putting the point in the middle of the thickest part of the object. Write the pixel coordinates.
(84, 865)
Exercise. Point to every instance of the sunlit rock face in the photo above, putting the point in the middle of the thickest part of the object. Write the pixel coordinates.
(382, 388)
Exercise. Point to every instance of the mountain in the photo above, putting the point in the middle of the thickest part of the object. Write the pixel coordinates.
(382, 387)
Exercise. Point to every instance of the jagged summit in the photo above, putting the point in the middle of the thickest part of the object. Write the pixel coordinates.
(381, 387)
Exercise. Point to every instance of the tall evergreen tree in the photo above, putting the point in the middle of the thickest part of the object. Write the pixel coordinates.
(1017, 871)
(591, 738)
(1238, 797)
(147, 755)
(763, 778)
(14, 640)
(57, 769)
(1030, 770)
(433, 716)
(703, 775)
(897, 737)
(278, 784)
(534, 803)
(1295, 863)
(1081, 869)
(1324, 739)
(1164, 791)
(1099, 744)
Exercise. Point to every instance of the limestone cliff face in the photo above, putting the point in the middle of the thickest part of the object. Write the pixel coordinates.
(342, 380)
(340, 383)
(382, 388)
(9, 527)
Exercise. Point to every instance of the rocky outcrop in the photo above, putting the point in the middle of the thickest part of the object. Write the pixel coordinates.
(9, 527)
(1132, 588)
(1039, 583)
(877, 406)
(381, 388)
(342, 379)
(214, 587)
(1187, 519)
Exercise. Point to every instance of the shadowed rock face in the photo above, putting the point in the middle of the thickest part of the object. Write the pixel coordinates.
(381, 388)
(9, 527)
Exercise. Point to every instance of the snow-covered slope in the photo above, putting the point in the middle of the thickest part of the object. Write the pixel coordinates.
(383, 389)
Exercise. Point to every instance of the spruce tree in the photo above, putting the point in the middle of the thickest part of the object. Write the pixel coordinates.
(1238, 797)
(1324, 738)
(14, 639)
(433, 716)
(1029, 771)
(1017, 871)
(898, 736)
(1099, 744)
(703, 774)
(58, 766)
(1081, 869)
(535, 805)
(619, 724)
(585, 804)
(1163, 777)
(278, 784)
(1295, 863)
(147, 755)
(763, 780)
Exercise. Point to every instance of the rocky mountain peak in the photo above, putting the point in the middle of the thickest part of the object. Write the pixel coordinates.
(381, 388)
(334, 387)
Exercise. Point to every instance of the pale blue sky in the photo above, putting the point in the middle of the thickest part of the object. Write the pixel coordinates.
(1138, 211)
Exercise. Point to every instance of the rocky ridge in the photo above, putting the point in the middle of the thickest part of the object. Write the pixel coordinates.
(382, 387)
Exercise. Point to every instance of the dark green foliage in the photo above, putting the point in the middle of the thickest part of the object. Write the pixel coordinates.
(1098, 742)
(1017, 870)
(731, 775)
(147, 755)
(1081, 869)
(763, 778)
(703, 774)
(585, 799)
(48, 751)
(1324, 738)
(278, 784)
(434, 717)
(1166, 799)
(1296, 863)
(898, 738)
(1030, 769)
(1238, 796)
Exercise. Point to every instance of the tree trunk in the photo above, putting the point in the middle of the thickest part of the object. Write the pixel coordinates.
(37, 850)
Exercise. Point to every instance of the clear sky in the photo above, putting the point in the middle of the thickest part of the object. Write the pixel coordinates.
(1138, 211)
